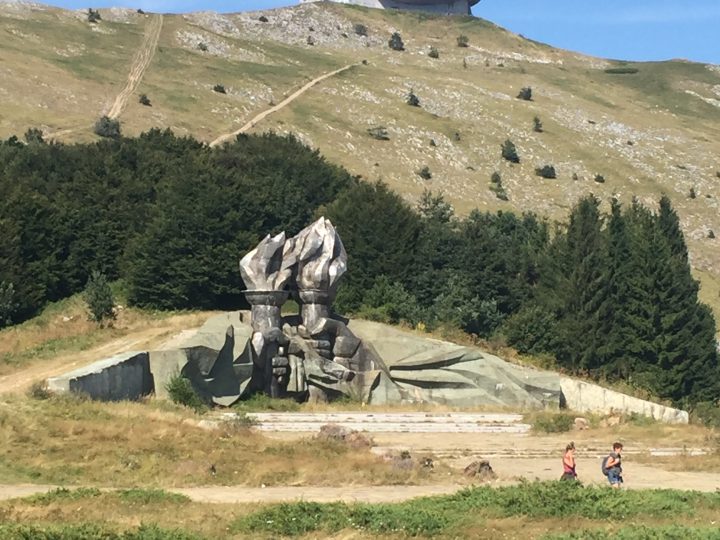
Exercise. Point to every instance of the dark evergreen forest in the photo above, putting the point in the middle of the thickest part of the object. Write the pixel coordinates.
(607, 295)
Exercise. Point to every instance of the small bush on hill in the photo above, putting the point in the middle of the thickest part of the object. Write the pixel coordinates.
(711, 234)
(34, 136)
(525, 94)
(625, 70)
(433, 53)
(537, 125)
(379, 133)
(412, 99)
(463, 41)
(93, 16)
(396, 43)
(692, 193)
(219, 88)
(144, 100)
(546, 171)
(107, 127)
(202, 46)
(496, 186)
(360, 29)
(310, 41)
(425, 173)
(181, 391)
(509, 152)
(599, 178)
(262, 18)
(39, 391)
(99, 298)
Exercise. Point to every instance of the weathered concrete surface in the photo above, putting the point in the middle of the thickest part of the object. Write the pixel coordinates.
(393, 422)
(421, 369)
(215, 359)
(582, 396)
(123, 376)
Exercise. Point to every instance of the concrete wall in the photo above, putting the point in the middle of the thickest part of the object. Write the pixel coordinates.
(448, 7)
(124, 376)
(581, 396)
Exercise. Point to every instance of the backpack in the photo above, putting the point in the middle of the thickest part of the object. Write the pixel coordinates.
(603, 466)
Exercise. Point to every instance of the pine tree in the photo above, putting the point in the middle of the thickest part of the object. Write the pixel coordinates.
(685, 340)
(99, 298)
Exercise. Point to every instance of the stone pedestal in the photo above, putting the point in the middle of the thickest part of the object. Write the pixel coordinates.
(267, 334)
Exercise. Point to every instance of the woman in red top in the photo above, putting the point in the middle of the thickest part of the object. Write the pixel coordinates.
(569, 463)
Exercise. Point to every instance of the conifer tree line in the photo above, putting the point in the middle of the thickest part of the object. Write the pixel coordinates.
(610, 295)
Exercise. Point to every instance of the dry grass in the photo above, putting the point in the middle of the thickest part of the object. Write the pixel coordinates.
(69, 441)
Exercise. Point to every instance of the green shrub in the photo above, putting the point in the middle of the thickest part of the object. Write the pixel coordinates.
(144, 100)
(107, 127)
(93, 16)
(379, 133)
(599, 178)
(181, 391)
(395, 42)
(425, 173)
(219, 88)
(34, 136)
(202, 46)
(360, 29)
(262, 18)
(463, 41)
(525, 94)
(412, 99)
(550, 422)
(624, 70)
(99, 298)
(537, 125)
(389, 302)
(546, 171)
(509, 152)
(433, 53)
(39, 391)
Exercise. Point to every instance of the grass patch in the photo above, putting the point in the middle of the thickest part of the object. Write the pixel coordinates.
(550, 422)
(443, 515)
(262, 402)
(63, 495)
(151, 496)
(90, 531)
(642, 532)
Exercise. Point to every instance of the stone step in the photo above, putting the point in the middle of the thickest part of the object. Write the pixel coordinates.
(392, 422)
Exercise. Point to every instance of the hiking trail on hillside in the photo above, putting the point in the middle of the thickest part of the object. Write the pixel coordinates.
(275, 108)
(140, 63)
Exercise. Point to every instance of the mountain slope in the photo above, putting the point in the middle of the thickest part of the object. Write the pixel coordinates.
(646, 128)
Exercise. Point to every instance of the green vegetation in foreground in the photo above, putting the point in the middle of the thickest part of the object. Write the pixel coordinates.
(674, 532)
(450, 514)
(90, 531)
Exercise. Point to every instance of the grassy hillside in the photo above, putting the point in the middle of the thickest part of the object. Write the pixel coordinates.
(646, 128)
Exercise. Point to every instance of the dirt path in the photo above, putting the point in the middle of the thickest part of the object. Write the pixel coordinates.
(164, 333)
(140, 63)
(260, 117)
(508, 470)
